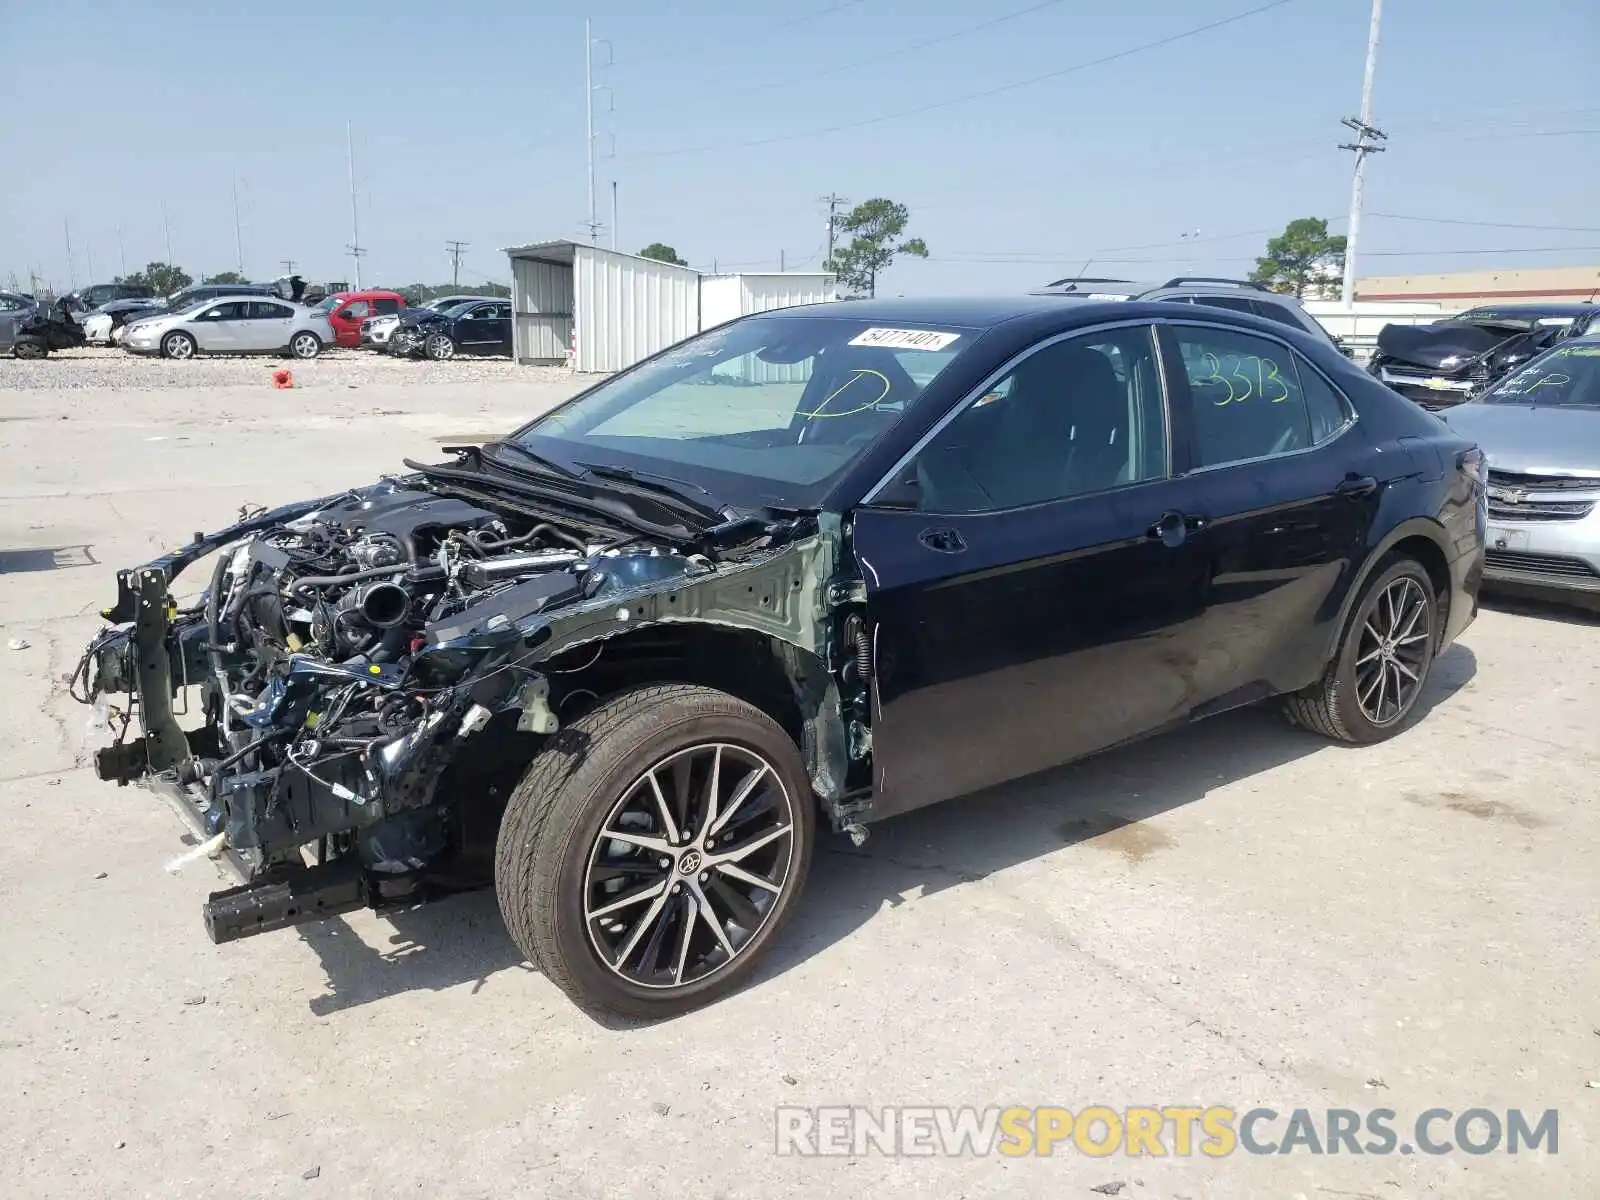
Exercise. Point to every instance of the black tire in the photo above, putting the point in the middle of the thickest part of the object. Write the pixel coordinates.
(1340, 704)
(305, 345)
(179, 345)
(26, 347)
(550, 843)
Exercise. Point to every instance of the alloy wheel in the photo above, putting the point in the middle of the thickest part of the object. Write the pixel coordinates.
(1392, 655)
(180, 347)
(305, 345)
(440, 348)
(689, 865)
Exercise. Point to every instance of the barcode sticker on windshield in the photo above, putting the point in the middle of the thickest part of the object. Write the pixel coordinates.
(904, 339)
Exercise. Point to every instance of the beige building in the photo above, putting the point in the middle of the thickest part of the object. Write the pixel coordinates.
(1465, 289)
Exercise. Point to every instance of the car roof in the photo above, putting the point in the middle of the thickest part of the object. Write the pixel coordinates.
(1569, 308)
(967, 312)
(1199, 285)
(368, 294)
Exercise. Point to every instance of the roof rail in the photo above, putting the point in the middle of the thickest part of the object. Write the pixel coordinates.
(1183, 279)
(1084, 279)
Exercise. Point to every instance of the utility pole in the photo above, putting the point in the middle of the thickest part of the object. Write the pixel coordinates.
(780, 262)
(122, 253)
(166, 230)
(1369, 140)
(72, 271)
(589, 89)
(455, 249)
(288, 265)
(833, 203)
(238, 236)
(613, 214)
(355, 248)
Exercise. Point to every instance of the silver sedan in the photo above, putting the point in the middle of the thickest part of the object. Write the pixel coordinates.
(239, 325)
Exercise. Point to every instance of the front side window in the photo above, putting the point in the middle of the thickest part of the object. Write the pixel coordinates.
(776, 407)
(1248, 400)
(356, 310)
(1076, 416)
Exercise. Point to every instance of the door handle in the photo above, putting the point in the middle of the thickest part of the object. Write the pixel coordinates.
(1356, 486)
(943, 539)
(1171, 528)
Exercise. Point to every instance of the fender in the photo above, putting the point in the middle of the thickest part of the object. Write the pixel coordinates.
(1415, 526)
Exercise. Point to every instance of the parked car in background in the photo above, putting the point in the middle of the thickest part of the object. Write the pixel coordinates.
(252, 325)
(345, 312)
(1235, 295)
(1441, 364)
(111, 316)
(700, 622)
(85, 301)
(14, 306)
(1539, 427)
(472, 327)
(376, 331)
(29, 329)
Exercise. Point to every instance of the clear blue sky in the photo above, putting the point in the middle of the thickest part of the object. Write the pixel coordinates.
(468, 124)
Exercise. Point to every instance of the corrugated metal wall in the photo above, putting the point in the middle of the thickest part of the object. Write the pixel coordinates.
(541, 295)
(627, 308)
(723, 297)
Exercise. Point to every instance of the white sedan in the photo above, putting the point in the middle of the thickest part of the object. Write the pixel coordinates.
(236, 325)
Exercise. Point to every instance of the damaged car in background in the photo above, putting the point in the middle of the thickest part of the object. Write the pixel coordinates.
(813, 568)
(1441, 364)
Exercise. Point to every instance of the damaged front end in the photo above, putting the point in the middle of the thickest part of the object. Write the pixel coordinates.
(364, 672)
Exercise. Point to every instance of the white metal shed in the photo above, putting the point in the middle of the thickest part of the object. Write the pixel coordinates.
(724, 297)
(612, 309)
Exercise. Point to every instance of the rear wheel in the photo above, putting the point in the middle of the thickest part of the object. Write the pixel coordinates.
(655, 848)
(305, 345)
(1376, 678)
(178, 345)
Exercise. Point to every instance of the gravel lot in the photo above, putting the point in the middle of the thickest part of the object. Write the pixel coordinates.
(1235, 914)
(112, 367)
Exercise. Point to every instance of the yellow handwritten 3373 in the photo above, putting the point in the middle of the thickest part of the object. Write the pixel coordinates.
(1249, 376)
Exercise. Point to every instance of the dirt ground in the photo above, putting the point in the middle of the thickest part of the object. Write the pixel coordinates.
(1238, 914)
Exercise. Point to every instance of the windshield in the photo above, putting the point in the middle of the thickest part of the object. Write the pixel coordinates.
(768, 410)
(1568, 376)
(328, 305)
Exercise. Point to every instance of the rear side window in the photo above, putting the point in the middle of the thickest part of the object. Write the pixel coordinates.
(1327, 409)
(1246, 396)
(386, 308)
(1235, 303)
(1281, 313)
(265, 310)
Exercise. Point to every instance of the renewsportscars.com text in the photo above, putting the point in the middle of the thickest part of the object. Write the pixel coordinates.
(1171, 1130)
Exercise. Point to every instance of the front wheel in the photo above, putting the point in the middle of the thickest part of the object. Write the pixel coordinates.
(439, 347)
(654, 850)
(30, 348)
(1382, 664)
(178, 345)
(305, 345)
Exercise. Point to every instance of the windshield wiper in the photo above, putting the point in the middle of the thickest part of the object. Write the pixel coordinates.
(668, 486)
(491, 451)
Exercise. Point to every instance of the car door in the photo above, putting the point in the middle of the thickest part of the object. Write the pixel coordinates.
(267, 326)
(1285, 485)
(346, 321)
(497, 334)
(220, 328)
(12, 310)
(1030, 582)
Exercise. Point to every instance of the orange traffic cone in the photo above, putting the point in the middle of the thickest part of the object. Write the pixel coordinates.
(283, 379)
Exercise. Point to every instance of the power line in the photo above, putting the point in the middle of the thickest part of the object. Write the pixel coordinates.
(909, 48)
(970, 96)
(1488, 224)
(958, 256)
(786, 23)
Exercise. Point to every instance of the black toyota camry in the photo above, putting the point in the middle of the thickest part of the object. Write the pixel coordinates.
(805, 571)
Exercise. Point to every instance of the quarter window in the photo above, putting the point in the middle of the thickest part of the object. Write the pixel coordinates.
(1247, 397)
(1076, 416)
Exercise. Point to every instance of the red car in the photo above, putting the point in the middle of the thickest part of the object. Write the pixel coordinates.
(346, 310)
